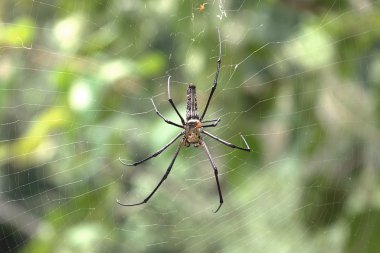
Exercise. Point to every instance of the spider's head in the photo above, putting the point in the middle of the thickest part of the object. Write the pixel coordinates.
(192, 131)
(192, 86)
(194, 123)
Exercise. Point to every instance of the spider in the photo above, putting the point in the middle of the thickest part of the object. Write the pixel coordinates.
(192, 134)
(202, 7)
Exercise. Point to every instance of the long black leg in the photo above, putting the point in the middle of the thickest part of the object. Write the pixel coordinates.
(154, 155)
(247, 148)
(166, 120)
(172, 103)
(214, 124)
(216, 77)
(216, 176)
(159, 184)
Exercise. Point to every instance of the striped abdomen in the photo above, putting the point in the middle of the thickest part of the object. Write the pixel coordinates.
(191, 107)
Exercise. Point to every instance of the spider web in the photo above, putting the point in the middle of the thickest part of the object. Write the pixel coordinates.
(299, 79)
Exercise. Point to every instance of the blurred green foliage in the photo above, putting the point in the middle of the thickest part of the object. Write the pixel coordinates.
(300, 79)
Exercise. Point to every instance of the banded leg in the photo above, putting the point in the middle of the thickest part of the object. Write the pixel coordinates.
(216, 176)
(159, 184)
(247, 148)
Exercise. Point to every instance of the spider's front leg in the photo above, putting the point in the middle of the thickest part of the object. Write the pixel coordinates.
(159, 184)
(154, 155)
(216, 175)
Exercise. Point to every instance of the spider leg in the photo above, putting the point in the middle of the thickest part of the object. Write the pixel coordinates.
(215, 83)
(166, 120)
(214, 124)
(172, 103)
(154, 155)
(247, 148)
(216, 176)
(211, 120)
(159, 184)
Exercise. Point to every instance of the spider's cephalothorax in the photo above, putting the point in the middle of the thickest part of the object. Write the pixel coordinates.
(192, 131)
(193, 125)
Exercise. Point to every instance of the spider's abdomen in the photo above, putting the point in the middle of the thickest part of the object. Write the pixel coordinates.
(191, 106)
(193, 133)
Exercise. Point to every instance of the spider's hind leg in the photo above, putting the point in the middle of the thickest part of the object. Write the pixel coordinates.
(172, 103)
(215, 83)
(162, 117)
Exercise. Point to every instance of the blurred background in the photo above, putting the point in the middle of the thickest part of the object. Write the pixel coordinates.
(299, 79)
